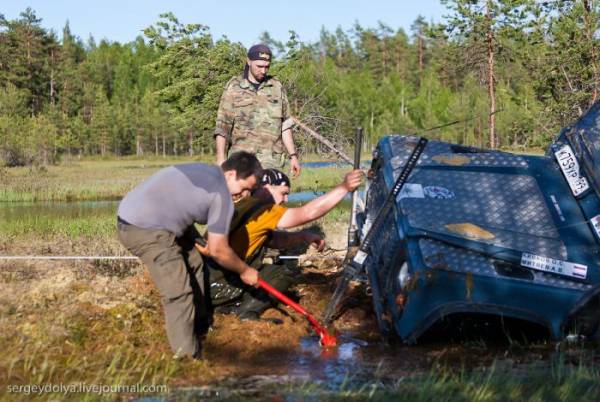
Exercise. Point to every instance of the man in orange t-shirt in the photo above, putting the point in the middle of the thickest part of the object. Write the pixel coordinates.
(258, 222)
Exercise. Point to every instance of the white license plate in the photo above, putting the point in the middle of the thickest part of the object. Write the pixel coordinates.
(570, 168)
(554, 266)
(596, 225)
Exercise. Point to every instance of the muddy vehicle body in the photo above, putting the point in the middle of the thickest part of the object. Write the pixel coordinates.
(480, 232)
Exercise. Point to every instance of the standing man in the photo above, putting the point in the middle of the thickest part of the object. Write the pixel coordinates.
(254, 115)
(156, 223)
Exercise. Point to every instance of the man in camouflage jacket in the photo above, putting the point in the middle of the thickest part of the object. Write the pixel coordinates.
(254, 115)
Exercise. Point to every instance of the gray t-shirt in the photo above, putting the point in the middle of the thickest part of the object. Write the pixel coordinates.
(175, 197)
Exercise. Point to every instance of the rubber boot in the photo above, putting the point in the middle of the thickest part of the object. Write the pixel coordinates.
(256, 301)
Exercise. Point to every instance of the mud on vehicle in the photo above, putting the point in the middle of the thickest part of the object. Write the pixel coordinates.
(479, 232)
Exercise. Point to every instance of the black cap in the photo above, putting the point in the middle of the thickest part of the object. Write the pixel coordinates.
(260, 52)
(274, 177)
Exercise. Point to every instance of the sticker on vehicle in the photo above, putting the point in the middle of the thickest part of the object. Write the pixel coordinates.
(441, 193)
(554, 266)
(360, 257)
(411, 190)
(595, 221)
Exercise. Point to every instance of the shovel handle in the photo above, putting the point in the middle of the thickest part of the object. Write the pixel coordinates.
(283, 298)
(327, 339)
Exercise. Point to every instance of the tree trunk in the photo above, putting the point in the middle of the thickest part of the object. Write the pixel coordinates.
(191, 143)
(103, 143)
(52, 87)
(402, 110)
(571, 88)
(138, 144)
(420, 46)
(589, 33)
(490, 47)
(164, 146)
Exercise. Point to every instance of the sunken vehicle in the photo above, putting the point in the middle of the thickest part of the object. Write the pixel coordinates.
(475, 232)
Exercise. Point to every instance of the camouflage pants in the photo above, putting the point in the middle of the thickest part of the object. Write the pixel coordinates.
(176, 267)
(266, 157)
(271, 160)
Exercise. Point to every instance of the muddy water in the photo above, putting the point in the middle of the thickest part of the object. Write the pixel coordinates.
(311, 373)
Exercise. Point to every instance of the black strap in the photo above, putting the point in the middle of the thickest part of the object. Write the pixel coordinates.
(122, 221)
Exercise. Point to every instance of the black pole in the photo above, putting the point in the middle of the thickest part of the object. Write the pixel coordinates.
(353, 228)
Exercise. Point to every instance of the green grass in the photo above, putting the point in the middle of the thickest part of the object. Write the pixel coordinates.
(317, 179)
(92, 226)
(112, 179)
(556, 381)
(85, 180)
(122, 346)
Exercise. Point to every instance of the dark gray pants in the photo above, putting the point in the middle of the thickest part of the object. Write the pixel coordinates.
(176, 269)
(226, 288)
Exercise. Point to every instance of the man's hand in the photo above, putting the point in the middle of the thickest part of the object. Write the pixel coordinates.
(295, 166)
(204, 250)
(249, 276)
(314, 239)
(352, 180)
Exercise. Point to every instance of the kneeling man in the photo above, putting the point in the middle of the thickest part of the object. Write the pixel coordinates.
(257, 224)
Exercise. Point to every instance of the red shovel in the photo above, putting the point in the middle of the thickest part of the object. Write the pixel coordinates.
(327, 339)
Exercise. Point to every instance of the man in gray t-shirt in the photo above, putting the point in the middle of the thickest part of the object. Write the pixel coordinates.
(156, 223)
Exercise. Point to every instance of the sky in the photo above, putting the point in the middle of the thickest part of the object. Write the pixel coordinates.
(240, 21)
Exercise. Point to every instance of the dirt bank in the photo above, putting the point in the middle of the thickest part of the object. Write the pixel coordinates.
(86, 321)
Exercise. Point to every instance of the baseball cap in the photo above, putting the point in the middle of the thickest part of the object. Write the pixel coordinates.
(260, 52)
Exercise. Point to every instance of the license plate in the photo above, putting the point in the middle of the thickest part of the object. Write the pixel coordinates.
(554, 266)
(596, 225)
(570, 168)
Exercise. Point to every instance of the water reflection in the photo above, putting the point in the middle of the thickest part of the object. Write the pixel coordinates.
(334, 164)
(14, 211)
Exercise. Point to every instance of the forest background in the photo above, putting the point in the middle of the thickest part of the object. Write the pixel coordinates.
(496, 73)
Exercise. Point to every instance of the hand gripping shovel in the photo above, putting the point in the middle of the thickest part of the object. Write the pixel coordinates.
(327, 339)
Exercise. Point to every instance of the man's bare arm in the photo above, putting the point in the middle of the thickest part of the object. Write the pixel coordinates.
(218, 247)
(288, 142)
(321, 205)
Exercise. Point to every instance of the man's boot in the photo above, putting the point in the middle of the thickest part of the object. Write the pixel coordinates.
(257, 301)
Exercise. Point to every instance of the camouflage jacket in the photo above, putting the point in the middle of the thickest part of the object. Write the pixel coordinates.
(253, 120)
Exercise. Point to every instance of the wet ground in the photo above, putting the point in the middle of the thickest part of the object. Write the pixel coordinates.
(249, 360)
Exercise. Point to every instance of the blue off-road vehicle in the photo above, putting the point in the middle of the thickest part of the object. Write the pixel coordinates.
(475, 232)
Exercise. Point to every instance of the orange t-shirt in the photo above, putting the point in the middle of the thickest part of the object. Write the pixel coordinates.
(249, 237)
